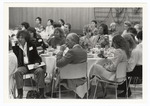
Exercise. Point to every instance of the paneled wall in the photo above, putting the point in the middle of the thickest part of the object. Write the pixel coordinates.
(77, 17)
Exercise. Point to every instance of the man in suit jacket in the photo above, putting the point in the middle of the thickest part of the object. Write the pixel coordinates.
(27, 54)
(74, 55)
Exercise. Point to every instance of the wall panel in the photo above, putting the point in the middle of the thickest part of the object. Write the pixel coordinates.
(77, 17)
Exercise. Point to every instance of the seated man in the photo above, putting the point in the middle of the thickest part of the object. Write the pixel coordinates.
(74, 55)
(27, 54)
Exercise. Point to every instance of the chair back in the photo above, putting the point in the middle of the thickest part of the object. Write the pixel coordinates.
(121, 70)
(73, 71)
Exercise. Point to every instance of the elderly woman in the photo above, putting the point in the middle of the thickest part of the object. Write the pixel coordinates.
(103, 30)
(106, 68)
(58, 38)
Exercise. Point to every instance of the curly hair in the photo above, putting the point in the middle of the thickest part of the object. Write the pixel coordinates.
(60, 31)
(24, 34)
(121, 43)
(105, 28)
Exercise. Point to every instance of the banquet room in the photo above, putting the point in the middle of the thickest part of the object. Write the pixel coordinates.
(75, 53)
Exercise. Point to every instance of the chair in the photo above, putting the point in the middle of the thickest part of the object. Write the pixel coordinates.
(26, 76)
(120, 77)
(72, 71)
(14, 89)
(135, 76)
(31, 76)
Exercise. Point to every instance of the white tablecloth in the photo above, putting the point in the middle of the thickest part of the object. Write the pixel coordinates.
(50, 62)
(90, 62)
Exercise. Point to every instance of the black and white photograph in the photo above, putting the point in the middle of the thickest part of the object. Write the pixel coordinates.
(74, 51)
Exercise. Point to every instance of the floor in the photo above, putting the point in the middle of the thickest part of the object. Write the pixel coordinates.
(136, 93)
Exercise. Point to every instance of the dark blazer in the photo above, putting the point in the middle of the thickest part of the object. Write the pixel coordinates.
(32, 54)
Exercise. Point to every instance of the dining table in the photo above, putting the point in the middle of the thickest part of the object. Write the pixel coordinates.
(49, 58)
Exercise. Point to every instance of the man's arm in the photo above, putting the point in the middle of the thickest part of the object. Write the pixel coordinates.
(64, 60)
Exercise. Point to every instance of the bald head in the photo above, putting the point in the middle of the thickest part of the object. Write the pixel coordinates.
(73, 37)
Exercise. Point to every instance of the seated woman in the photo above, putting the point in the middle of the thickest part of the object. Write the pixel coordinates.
(50, 27)
(62, 23)
(39, 26)
(36, 39)
(94, 27)
(13, 64)
(106, 68)
(85, 41)
(134, 63)
(103, 31)
(58, 38)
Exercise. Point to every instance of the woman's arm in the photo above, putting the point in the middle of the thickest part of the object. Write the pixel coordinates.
(112, 66)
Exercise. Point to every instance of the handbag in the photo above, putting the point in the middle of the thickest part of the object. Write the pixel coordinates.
(32, 94)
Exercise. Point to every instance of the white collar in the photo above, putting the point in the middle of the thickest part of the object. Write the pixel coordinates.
(21, 47)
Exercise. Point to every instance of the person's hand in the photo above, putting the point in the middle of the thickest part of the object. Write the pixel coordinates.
(36, 65)
(63, 47)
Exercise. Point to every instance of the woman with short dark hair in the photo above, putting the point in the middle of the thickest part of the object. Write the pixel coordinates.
(39, 27)
(50, 27)
(103, 31)
(58, 38)
(36, 39)
(62, 23)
